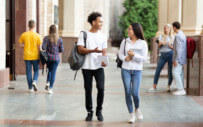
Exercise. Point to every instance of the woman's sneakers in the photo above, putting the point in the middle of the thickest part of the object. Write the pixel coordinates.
(31, 90)
(34, 84)
(139, 114)
(47, 86)
(151, 90)
(168, 89)
(132, 118)
(50, 91)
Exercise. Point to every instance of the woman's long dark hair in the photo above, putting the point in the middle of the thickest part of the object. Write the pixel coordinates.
(138, 31)
(53, 35)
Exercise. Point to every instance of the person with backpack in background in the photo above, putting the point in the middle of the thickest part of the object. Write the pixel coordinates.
(96, 44)
(133, 52)
(179, 58)
(31, 42)
(53, 45)
(165, 44)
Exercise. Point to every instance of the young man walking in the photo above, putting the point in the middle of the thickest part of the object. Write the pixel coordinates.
(30, 41)
(96, 44)
(179, 58)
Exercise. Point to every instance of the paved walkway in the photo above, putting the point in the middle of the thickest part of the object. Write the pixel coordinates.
(66, 106)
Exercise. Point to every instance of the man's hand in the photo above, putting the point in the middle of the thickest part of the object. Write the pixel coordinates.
(131, 53)
(103, 64)
(128, 58)
(97, 51)
(21, 45)
(175, 64)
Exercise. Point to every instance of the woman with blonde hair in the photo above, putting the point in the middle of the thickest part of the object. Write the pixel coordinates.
(165, 44)
(53, 45)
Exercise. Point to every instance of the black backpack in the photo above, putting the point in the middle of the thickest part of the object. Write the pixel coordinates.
(76, 60)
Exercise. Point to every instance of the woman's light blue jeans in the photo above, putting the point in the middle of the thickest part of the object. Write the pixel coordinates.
(131, 80)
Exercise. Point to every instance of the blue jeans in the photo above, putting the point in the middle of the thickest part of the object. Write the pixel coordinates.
(131, 80)
(164, 58)
(179, 76)
(29, 64)
(52, 66)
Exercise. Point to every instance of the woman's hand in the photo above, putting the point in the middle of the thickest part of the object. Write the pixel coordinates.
(131, 53)
(128, 58)
(160, 44)
(171, 46)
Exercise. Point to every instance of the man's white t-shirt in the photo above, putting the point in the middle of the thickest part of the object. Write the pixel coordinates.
(93, 41)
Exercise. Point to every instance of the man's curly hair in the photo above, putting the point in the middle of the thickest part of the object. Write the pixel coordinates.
(93, 16)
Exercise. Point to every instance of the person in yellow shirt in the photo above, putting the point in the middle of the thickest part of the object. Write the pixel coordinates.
(31, 41)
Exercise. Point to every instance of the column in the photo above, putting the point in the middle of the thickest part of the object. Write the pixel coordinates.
(168, 12)
(192, 17)
(71, 17)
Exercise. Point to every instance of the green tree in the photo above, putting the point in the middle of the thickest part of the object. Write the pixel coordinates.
(143, 11)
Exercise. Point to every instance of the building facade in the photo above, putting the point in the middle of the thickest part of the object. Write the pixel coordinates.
(187, 12)
(73, 19)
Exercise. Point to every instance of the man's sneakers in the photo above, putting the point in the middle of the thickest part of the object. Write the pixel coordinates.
(179, 92)
(139, 114)
(151, 90)
(100, 116)
(34, 84)
(89, 116)
(132, 118)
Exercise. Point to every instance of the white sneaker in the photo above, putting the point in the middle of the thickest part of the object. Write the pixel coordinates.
(31, 90)
(50, 91)
(168, 88)
(34, 84)
(151, 90)
(132, 118)
(47, 86)
(179, 92)
(139, 114)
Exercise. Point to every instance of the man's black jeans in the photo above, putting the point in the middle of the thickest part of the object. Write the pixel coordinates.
(88, 79)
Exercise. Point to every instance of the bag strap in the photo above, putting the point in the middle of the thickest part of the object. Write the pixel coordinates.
(124, 47)
(85, 38)
(75, 75)
(43, 70)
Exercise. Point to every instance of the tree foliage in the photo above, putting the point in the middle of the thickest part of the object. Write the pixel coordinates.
(143, 11)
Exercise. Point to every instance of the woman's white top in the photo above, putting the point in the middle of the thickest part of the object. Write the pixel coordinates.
(140, 50)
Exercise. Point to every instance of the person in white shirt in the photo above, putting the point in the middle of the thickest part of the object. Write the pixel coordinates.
(133, 52)
(96, 45)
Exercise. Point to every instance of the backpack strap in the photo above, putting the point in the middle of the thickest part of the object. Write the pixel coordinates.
(85, 38)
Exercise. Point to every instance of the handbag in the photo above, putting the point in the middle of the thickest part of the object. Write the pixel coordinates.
(118, 60)
(44, 59)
